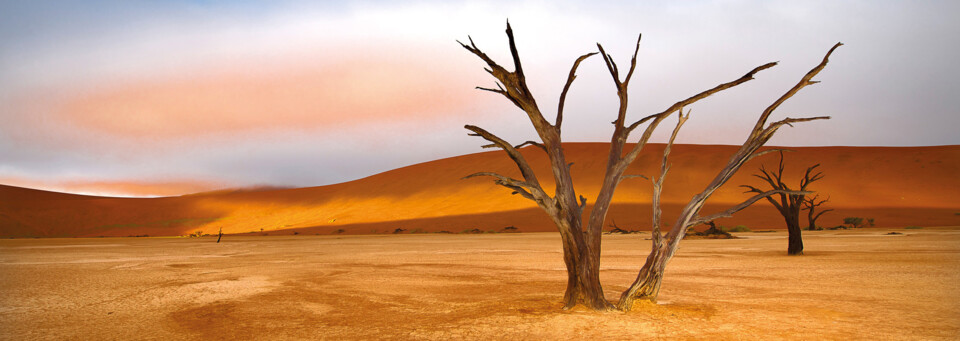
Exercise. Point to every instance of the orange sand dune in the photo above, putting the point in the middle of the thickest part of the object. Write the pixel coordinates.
(898, 186)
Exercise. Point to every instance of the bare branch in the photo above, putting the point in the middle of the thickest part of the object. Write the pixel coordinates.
(515, 155)
(664, 168)
(806, 80)
(767, 133)
(765, 152)
(518, 69)
(742, 205)
(633, 61)
(624, 177)
(532, 143)
(491, 90)
(779, 206)
(514, 83)
(611, 65)
(518, 187)
(807, 178)
(637, 123)
(500, 177)
(817, 216)
(673, 136)
(566, 87)
(707, 93)
(676, 106)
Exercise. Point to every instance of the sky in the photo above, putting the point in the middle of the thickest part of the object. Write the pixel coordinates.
(156, 98)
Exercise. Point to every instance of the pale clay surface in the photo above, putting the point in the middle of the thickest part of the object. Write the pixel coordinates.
(859, 284)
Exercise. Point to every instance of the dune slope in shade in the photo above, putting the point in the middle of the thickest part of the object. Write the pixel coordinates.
(898, 186)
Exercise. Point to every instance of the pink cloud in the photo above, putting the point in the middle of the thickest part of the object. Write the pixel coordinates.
(302, 95)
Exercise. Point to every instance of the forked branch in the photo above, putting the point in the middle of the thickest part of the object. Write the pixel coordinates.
(566, 87)
(806, 80)
(741, 206)
(528, 175)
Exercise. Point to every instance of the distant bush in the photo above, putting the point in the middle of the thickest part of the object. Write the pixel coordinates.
(472, 231)
(339, 231)
(913, 227)
(295, 233)
(196, 234)
(399, 230)
(853, 222)
(738, 228)
(418, 230)
(445, 231)
(510, 229)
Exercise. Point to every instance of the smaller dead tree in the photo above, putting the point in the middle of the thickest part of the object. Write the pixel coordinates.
(789, 205)
(811, 205)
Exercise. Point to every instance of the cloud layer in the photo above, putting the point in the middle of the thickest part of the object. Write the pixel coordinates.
(200, 96)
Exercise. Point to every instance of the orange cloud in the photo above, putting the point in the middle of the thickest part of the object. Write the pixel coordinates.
(117, 188)
(301, 96)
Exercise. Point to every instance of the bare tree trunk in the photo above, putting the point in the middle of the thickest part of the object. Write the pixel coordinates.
(795, 238)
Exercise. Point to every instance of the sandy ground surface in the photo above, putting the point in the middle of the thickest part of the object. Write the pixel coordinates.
(860, 284)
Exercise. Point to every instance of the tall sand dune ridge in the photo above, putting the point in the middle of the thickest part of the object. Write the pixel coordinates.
(896, 186)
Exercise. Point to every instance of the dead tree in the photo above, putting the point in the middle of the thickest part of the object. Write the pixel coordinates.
(789, 204)
(811, 204)
(581, 237)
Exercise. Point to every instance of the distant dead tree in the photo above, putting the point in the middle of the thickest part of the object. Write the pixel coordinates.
(581, 238)
(811, 204)
(790, 201)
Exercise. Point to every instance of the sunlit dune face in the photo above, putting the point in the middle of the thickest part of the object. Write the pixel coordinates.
(298, 97)
(118, 188)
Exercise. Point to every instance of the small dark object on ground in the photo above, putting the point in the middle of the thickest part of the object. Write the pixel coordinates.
(711, 233)
(894, 232)
(617, 230)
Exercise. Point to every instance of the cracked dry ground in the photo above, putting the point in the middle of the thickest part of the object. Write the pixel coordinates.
(860, 284)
